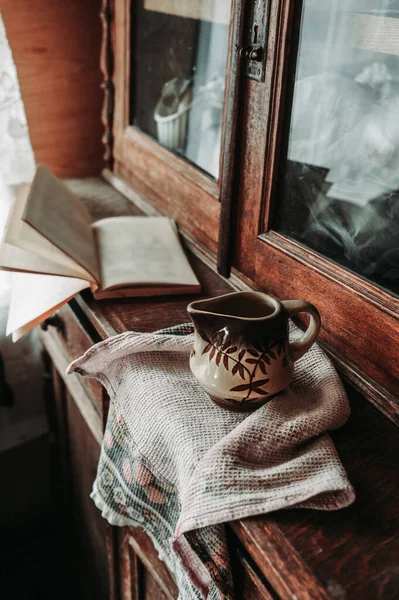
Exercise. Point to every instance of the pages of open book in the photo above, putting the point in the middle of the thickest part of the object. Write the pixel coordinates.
(25, 249)
(58, 215)
(35, 297)
(141, 251)
(15, 259)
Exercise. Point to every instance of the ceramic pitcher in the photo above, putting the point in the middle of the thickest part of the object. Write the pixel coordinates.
(241, 355)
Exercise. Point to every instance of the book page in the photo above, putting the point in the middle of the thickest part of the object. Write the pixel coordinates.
(35, 297)
(15, 259)
(141, 251)
(25, 249)
(58, 215)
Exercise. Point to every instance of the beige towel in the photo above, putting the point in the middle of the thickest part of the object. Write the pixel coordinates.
(180, 466)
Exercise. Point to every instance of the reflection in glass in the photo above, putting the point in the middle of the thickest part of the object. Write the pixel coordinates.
(340, 193)
(179, 56)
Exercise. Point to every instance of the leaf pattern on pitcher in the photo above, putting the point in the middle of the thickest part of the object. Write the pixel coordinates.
(253, 386)
(220, 349)
(246, 364)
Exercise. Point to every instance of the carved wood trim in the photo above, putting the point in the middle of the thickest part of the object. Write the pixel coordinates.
(86, 407)
(107, 68)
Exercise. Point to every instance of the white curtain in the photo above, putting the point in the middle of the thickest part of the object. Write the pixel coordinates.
(25, 420)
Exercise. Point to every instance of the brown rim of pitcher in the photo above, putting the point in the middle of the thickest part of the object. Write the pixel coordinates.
(269, 301)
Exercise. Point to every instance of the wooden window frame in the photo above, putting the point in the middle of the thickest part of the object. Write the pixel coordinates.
(360, 326)
(171, 184)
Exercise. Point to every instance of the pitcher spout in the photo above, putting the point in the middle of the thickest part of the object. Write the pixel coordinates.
(247, 306)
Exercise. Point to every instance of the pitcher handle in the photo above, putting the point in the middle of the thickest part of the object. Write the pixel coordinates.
(298, 348)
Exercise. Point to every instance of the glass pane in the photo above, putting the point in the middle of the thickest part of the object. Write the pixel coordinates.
(179, 56)
(340, 193)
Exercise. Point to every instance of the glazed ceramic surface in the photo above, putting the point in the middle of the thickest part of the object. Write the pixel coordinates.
(241, 353)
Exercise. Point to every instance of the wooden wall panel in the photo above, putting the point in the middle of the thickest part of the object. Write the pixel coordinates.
(56, 48)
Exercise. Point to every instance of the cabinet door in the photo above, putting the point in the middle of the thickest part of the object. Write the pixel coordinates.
(173, 131)
(141, 574)
(92, 534)
(75, 456)
(317, 216)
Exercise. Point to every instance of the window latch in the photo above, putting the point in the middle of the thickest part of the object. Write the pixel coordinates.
(254, 52)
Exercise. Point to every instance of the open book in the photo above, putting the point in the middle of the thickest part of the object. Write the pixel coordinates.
(56, 251)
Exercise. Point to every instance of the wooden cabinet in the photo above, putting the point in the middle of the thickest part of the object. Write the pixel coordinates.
(75, 459)
(307, 555)
(112, 563)
(109, 563)
(240, 216)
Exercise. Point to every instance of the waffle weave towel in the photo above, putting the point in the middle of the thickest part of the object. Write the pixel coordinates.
(179, 466)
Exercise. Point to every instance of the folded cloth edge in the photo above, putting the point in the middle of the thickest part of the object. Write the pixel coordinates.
(339, 492)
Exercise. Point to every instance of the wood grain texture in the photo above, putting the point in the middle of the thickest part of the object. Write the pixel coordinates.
(350, 554)
(128, 567)
(283, 280)
(249, 583)
(144, 549)
(356, 550)
(232, 136)
(259, 140)
(107, 68)
(376, 394)
(171, 190)
(365, 535)
(151, 589)
(360, 331)
(56, 48)
(278, 560)
(86, 403)
(75, 340)
(140, 570)
(252, 588)
(90, 529)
